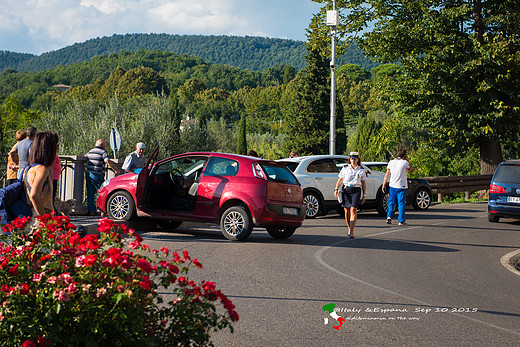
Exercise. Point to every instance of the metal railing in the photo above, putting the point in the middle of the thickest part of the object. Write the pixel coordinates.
(71, 184)
(442, 185)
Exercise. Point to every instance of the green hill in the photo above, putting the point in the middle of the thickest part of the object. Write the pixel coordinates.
(249, 53)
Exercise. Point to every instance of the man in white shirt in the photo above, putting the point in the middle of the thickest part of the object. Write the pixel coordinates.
(397, 172)
(136, 159)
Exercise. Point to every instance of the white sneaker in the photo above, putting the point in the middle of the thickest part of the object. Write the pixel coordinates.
(389, 221)
(403, 223)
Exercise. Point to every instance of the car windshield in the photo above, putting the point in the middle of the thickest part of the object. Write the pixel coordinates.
(279, 174)
(509, 174)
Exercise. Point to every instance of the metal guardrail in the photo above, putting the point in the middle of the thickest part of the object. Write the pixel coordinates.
(442, 185)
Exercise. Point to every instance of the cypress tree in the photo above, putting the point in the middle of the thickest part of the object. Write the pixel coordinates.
(307, 121)
(242, 140)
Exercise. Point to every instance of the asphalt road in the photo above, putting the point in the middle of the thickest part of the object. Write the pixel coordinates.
(437, 282)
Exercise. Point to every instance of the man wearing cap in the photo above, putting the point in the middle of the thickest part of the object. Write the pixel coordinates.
(135, 160)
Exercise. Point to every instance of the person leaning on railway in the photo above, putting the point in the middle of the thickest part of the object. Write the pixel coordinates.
(97, 157)
(352, 188)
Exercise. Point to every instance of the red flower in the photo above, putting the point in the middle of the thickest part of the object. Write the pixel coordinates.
(6, 288)
(144, 265)
(165, 250)
(14, 270)
(197, 263)
(208, 286)
(24, 289)
(174, 269)
(186, 256)
(28, 343)
(182, 281)
(145, 283)
(90, 259)
(42, 341)
(234, 316)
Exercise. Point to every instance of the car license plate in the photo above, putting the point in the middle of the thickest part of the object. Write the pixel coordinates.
(513, 199)
(290, 210)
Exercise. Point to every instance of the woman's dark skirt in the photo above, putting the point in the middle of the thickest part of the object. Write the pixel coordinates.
(351, 197)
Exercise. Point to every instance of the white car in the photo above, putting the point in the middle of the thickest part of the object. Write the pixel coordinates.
(318, 175)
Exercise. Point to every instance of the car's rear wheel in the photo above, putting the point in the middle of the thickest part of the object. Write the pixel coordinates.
(313, 206)
(493, 218)
(422, 199)
(382, 204)
(278, 232)
(169, 224)
(121, 206)
(236, 224)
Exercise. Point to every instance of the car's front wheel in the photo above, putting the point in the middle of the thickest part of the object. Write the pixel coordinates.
(422, 199)
(492, 218)
(278, 232)
(121, 206)
(312, 204)
(236, 224)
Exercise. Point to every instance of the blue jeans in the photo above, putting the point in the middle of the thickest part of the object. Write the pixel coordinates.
(397, 195)
(93, 181)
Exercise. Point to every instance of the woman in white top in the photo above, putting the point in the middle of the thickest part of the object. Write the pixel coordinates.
(351, 184)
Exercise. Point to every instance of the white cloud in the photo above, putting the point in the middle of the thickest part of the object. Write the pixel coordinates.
(106, 6)
(37, 26)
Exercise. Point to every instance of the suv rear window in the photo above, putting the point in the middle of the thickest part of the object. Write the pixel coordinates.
(279, 174)
(509, 174)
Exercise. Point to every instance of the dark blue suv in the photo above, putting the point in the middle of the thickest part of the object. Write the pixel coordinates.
(504, 191)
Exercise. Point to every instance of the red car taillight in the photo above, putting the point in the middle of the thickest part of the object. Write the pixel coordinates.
(494, 188)
(258, 172)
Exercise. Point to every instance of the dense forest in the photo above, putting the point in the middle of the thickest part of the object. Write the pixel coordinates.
(249, 53)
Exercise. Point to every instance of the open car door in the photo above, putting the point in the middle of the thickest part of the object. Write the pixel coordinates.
(143, 178)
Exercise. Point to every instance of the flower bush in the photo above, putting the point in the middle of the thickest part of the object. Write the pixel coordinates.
(61, 289)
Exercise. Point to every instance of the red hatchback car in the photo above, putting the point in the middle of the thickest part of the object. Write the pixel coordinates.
(237, 192)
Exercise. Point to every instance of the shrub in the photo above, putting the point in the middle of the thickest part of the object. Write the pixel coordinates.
(61, 289)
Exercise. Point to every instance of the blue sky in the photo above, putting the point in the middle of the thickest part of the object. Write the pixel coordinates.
(38, 26)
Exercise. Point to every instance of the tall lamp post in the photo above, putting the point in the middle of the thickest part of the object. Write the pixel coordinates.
(332, 21)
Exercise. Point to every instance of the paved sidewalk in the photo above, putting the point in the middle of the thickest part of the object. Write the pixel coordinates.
(89, 223)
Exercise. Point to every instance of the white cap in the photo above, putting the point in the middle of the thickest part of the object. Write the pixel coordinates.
(354, 154)
(140, 145)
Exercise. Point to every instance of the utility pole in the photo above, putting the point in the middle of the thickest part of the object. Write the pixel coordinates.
(332, 21)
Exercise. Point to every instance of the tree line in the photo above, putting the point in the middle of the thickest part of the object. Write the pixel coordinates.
(246, 53)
